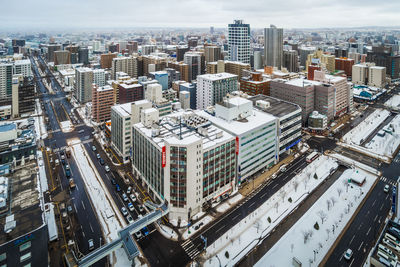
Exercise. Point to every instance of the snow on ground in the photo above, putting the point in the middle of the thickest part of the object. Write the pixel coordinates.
(42, 172)
(366, 127)
(335, 208)
(110, 218)
(228, 204)
(245, 235)
(167, 232)
(366, 151)
(40, 127)
(191, 230)
(86, 119)
(393, 102)
(66, 126)
(389, 143)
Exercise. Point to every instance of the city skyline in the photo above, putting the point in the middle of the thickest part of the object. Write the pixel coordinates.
(46, 14)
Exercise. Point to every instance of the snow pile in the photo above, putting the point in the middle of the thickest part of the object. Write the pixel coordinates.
(393, 102)
(192, 229)
(110, 219)
(250, 231)
(228, 204)
(354, 163)
(42, 172)
(366, 127)
(319, 227)
(387, 144)
(40, 128)
(167, 232)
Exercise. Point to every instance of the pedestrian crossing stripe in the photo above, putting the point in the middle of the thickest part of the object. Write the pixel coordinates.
(387, 180)
(190, 249)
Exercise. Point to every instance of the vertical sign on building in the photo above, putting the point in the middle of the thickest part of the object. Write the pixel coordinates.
(163, 157)
(237, 145)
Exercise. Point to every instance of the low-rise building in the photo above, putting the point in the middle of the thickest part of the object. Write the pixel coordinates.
(317, 121)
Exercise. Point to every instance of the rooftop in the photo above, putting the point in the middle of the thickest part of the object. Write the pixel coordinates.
(302, 82)
(7, 127)
(216, 77)
(123, 109)
(278, 107)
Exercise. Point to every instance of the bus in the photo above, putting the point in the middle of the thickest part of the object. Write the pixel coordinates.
(310, 158)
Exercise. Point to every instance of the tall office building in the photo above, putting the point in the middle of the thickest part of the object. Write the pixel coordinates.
(5, 80)
(273, 46)
(99, 77)
(212, 88)
(212, 53)
(83, 84)
(239, 42)
(291, 60)
(83, 55)
(304, 52)
(102, 101)
(106, 60)
(62, 57)
(194, 61)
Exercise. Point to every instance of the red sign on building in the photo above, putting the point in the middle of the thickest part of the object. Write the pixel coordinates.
(163, 157)
(237, 145)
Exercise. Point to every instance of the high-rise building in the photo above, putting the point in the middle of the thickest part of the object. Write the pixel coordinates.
(329, 62)
(258, 61)
(83, 84)
(212, 88)
(106, 60)
(50, 51)
(359, 74)
(194, 62)
(130, 92)
(62, 57)
(233, 67)
(273, 46)
(291, 60)
(345, 64)
(377, 76)
(212, 53)
(99, 77)
(192, 89)
(180, 52)
(239, 42)
(183, 69)
(102, 101)
(304, 52)
(129, 65)
(83, 55)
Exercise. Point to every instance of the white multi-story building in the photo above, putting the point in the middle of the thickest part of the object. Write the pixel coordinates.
(184, 160)
(23, 67)
(6, 74)
(255, 133)
(99, 77)
(124, 64)
(239, 42)
(359, 74)
(377, 76)
(212, 88)
(121, 128)
(83, 84)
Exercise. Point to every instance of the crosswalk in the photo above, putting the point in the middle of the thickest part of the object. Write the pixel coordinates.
(387, 180)
(397, 160)
(190, 249)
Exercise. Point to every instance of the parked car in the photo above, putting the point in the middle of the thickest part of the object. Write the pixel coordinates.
(102, 161)
(117, 187)
(124, 211)
(141, 209)
(138, 235)
(129, 218)
(67, 167)
(125, 197)
(145, 231)
(71, 183)
(98, 156)
(129, 190)
(93, 148)
(131, 207)
(57, 162)
(107, 168)
(91, 244)
(386, 189)
(113, 181)
(132, 196)
(68, 173)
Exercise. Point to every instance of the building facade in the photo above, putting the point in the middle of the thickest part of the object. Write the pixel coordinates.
(102, 101)
(239, 42)
(273, 46)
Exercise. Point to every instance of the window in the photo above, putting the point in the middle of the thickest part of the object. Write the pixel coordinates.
(25, 246)
(25, 257)
(3, 256)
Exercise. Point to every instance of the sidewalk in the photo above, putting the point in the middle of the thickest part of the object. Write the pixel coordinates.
(250, 186)
(258, 252)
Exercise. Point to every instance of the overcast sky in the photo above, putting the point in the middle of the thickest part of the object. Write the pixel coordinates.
(31, 14)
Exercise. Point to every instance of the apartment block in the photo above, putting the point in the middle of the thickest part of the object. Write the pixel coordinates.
(377, 76)
(102, 101)
(255, 85)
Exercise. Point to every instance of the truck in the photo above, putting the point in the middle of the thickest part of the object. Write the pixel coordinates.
(71, 183)
(68, 152)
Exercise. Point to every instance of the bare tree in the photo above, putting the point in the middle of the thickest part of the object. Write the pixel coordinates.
(295, 185)
(291, 247)
(307, 235)
(305, 181)
(333, 200)
(328, 231)
(282, 194)
(328, 204)
(276, 206)
(258, 224)
(322, 215)
(339, 191)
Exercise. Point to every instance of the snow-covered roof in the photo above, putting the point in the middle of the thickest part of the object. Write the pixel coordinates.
(216, 77)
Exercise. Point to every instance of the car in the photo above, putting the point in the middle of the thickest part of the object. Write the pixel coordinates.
(93, 148)
(129, 190)
(57, 162)
(117, 187)
(98, 156)
(68, 173)
(91, 244)
(62, 152)
(63, 161)
(129, 218)
(69, 209)
(348, 254)
(67, 167)
(71, 183)
(141, 209)
(125, 197)
(102, 161)
(131, 207)
(386, 189)
(145, 231)
(132, 196)
(283, 168)
(124, 211)
(273, 176)
(138, 235)
(107, 168)
(113, 181)
(62, 156)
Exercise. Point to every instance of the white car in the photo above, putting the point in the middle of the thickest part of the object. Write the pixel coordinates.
(386, 189)
(129, 190)
(125, 197)
(107, 168)
(348, 254)
(131, 207)
(124, 211)
(132, 196)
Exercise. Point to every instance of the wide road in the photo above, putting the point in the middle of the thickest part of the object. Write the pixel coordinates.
(219, 227)
(89, 226)
(362, 233)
